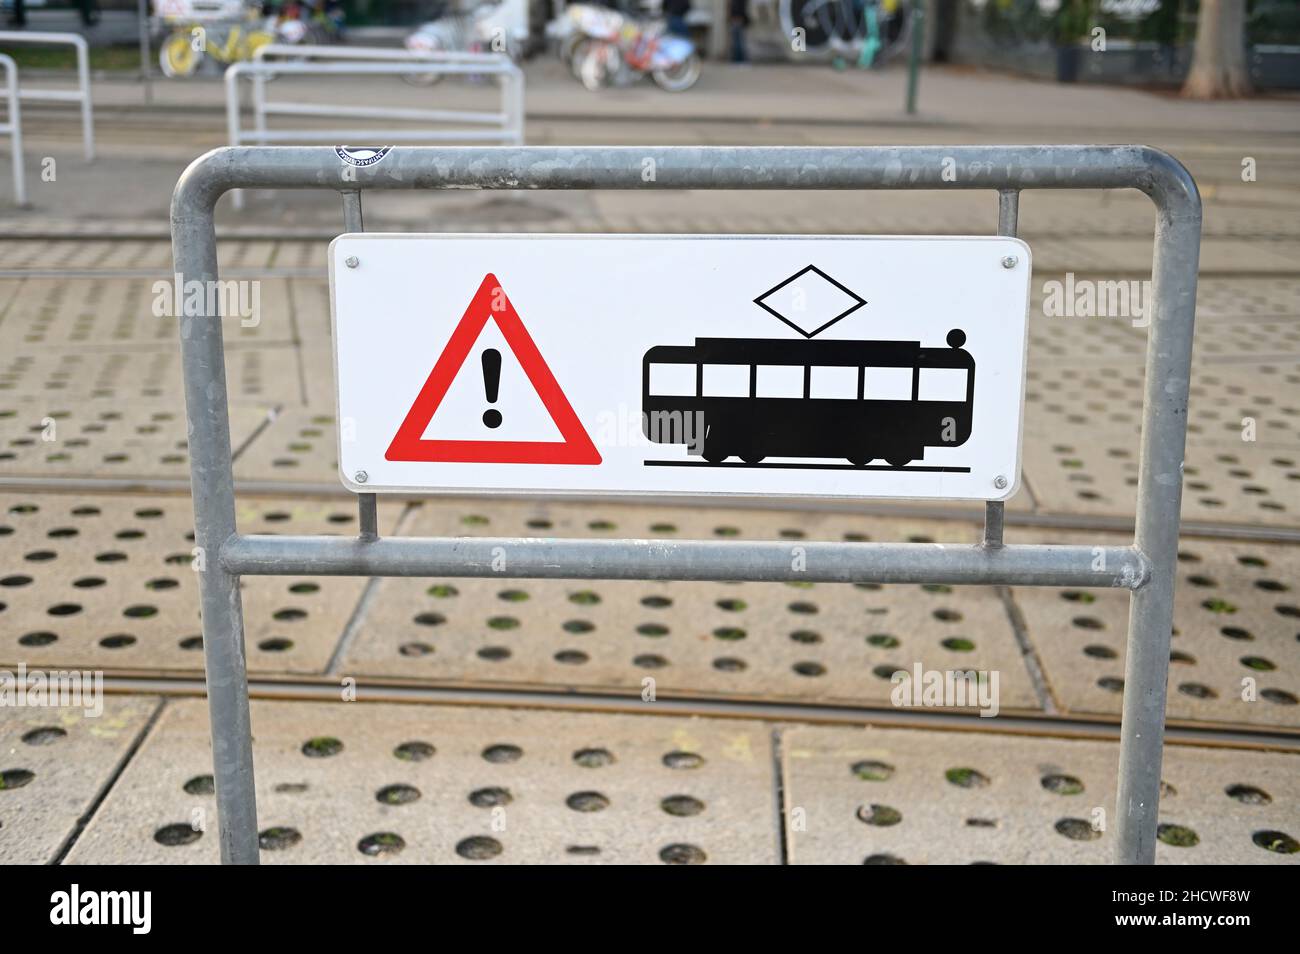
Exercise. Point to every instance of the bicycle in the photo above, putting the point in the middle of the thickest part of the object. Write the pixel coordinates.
(872, 31)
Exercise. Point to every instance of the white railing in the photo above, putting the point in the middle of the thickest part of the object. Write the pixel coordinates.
(504, 126)
(80, 95)
(13, 125)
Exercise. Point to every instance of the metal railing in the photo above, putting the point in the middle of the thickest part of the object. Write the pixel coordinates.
(504, 126)
(13, 126)
(1146, 568)
(80, 95)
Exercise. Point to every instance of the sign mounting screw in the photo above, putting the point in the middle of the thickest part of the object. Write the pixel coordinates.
(999, 481)
(1009, 261)
(352, 261)
(361, 477)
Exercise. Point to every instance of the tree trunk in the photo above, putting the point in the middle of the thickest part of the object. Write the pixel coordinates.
(1219, 57)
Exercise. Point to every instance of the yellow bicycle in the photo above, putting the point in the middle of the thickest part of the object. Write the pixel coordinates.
(184, 50)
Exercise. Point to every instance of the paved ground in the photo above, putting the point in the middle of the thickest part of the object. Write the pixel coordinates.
(558, 758)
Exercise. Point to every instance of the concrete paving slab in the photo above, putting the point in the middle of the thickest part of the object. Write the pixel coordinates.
(107, 581)
(103, 438)
(120, 252)
(357, 783)
(885, 796)
(828, 642)
(54, 764)
(299, 446)
(1235, 656)
(1096, 472)
(84, 314)
(254, 375)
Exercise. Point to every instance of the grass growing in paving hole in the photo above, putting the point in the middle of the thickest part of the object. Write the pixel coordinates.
(966, 778)
(1062, 784)
(381, 843)
(201, 785)
(1258, 663)
(587, 802)
(414, 751)
(584, 598)
(1217, 605)
(1178, 836)
(879, 815)
(872, 771)
(503, 622)
(321, 747)
(397, 794)
(1277, 841)
(442, 591)
(729, 633)
(1076, 829)
(15, 778)
(513, 596)
(883, 640)
(652, 629)
(957, 644)
(731, 605)
(490, 797)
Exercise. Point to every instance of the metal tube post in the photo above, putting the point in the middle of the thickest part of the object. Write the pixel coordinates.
(1160, 492)
(15, 128)
(367, 504)
(1008, 223)
(914, 56)
(194, 250)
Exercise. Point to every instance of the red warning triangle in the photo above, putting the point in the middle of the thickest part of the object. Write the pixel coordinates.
(490, 302)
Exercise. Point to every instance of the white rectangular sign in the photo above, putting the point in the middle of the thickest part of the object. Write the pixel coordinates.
(851, 366)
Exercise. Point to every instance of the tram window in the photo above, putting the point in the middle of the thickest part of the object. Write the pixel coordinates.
(888, 384)
(672, 380)
(829, 382)
(779, 381)
(942, 384)
(726, 380)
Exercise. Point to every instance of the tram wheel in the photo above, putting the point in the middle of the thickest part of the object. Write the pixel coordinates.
(898, 461)
(752, 458)
(714, 455)
(860, 460)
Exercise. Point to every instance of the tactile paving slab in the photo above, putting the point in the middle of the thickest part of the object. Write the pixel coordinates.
(342, 783)
(891, 796)
(821, 641)
(54, 763)
(255, 375)
(87, 252)
(102, 438)
(299, 446)
(76, 314)
(1235, 654)
(109, 582)
(1096, 472)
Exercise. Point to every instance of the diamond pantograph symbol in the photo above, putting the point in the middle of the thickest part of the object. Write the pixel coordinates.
(810, 301)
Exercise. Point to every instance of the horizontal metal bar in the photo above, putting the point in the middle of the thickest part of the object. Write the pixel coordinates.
(52, 95)
(374, 54)
(370, 67)
(759, 561)
(386, 112)
(696, 167)
(388, 135)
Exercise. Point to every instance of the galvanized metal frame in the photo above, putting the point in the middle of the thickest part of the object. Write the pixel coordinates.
(1146, 568)
(80, 95)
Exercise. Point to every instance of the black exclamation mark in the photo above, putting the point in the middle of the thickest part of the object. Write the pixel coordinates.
(491, 384)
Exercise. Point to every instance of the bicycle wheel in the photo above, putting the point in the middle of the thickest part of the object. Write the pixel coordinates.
(177, 57)
(808, 17)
